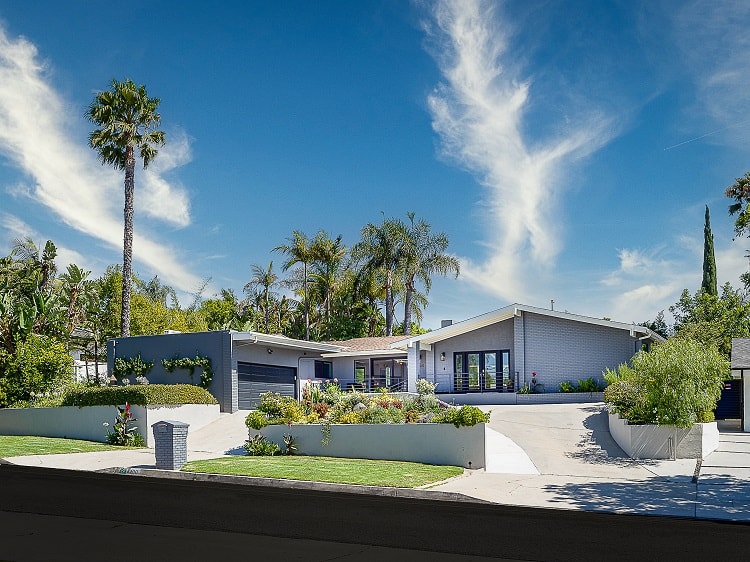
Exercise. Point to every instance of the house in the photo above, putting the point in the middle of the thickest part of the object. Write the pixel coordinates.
(504, 350)
(247, 364)
(487, 358)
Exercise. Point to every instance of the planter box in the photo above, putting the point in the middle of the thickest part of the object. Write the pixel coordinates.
(87, 423)
(664, 441)
(430, 443)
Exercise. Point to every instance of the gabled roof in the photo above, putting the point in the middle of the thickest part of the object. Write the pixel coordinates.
(509, 312)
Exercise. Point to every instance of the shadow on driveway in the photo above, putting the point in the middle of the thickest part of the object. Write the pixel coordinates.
(597, 445)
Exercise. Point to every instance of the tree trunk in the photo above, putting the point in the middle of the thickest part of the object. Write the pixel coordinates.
(307, 303)
(127, 247)
(388, 303)
(407, 309)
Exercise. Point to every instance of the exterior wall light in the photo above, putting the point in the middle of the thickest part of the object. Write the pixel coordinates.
(442, 355)
(269, 350)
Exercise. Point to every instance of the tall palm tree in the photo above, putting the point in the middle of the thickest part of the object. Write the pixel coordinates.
(299, 250)
(381, 249)
(265, 280)
(327, 267)
(423, 254)
(127, 121)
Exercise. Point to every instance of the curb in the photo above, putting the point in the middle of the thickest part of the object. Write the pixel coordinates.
(381, 491)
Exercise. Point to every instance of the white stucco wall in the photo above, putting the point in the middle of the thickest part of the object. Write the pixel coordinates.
(431, 443)
(653, 441)
(87, 423)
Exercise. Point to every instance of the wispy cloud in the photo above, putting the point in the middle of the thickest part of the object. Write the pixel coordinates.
(19, 230)
(478, 111)
(713, 39)
(35, 125)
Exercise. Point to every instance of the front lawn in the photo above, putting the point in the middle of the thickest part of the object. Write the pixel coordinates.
(19, 445)
(328, 469)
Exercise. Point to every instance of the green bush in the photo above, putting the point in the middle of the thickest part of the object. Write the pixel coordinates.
(463, 416)
(256, 420)
(567, 386)
(588, 385)
(38, 366)
(280, 409)
(425, 387)
(677, 383)
(142, 395)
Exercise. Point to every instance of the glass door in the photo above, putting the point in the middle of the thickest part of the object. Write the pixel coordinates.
(490, 370)
(472, 362)
(482, 371)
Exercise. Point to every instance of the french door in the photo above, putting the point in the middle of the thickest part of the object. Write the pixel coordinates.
(482, 371)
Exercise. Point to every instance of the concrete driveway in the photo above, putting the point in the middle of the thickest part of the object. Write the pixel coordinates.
(581, 467)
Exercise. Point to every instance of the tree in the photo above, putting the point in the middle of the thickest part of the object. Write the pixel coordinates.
(264, 280)
(126, 118)
(381, 250)
(740, 192)
(708, 284)
(299, 250)
(423, 254)
(326, 274)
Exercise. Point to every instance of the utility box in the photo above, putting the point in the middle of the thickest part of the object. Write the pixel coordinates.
(170, 444)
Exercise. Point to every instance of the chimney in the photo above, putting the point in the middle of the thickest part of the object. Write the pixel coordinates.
(444, 323)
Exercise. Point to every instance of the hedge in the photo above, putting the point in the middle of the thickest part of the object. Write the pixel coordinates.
(137, 394)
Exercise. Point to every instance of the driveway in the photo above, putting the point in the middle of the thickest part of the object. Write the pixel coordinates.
(581, 467)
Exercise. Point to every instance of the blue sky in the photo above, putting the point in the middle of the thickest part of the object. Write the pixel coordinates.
(567, 148)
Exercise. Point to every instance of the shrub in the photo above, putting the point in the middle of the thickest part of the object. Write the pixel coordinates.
(259, 446)
(256, 420)
(122, 433)
(280, 409)
(425, 387)
(676, 383)
(350, 418)
(588, 385)
(567, 386)
(464, 416)
(142, 395)
(38, 365)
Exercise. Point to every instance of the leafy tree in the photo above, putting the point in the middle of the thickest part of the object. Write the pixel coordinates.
(658, 325)
(35, 366)
(712, 320)
(677, 383)
(708, 284)
(219, 312)
(127, 119)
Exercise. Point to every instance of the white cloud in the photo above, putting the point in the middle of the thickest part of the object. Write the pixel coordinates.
(68, 179)
(478, 112)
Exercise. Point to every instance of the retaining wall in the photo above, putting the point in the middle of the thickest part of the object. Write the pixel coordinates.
(664, 441)
(431, 443)
(87, 423)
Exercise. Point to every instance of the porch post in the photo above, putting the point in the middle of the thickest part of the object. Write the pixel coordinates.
(519, 348)
(412, 367)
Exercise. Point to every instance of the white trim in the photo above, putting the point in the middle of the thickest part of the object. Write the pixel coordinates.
(364, 353)
(282, 341)
(508, 312)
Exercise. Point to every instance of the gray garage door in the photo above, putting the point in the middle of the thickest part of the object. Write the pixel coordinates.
(255, 379)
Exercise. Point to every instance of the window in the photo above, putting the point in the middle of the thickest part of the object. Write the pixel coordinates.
(323, 370)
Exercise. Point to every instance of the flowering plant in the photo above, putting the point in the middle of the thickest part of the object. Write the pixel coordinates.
(122, 433)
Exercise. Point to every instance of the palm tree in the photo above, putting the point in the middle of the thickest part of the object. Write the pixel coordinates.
(264, 279)
(423, 254)
(126, 118)
(328, 262)
(381, 248)
(299, 250)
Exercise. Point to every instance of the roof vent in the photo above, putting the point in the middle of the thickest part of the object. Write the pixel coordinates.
(172, 332)
(444, 323)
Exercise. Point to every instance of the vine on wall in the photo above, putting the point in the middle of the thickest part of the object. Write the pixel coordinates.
(131, 366)
(190, 364)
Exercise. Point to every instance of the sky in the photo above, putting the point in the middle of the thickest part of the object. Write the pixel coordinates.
(567, 148)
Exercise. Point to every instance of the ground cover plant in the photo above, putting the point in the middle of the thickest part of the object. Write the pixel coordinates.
(677, 383)
(326, 469)
(19, 445)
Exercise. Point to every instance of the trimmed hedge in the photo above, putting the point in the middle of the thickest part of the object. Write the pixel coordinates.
(140, 394)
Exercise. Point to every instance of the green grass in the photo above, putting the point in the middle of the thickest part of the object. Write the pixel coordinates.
(328, 469)
(18, 445)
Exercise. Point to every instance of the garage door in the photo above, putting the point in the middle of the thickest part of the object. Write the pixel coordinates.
(255, 379)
